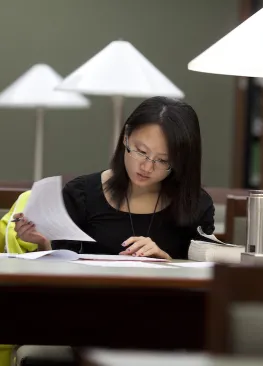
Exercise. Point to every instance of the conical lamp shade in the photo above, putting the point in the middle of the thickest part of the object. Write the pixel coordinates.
(239, 53)
(120, 70)
(36, 89)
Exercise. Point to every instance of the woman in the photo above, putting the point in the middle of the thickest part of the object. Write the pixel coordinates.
(150, 202)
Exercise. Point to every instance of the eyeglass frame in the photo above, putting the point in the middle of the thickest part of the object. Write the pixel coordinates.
(146, 157)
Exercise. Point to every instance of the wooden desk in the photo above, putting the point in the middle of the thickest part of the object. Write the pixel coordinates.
(66, 303)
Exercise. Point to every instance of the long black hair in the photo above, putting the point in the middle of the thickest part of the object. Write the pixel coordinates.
(180, 125)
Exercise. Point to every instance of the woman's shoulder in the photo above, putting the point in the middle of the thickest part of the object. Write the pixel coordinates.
(206, 213)
(84, 183)
(205, 198)
(205, 203)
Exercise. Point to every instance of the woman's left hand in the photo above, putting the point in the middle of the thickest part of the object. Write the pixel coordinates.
(143, 247)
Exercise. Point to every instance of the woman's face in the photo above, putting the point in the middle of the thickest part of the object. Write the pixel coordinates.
(150, 141)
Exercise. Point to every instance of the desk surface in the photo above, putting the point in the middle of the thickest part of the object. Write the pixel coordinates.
(121, 358)
(54, 273)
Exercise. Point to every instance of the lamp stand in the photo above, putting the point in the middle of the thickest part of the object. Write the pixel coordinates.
(39, 139)
(117, 103)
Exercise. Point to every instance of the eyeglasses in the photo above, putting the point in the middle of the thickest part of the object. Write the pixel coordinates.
(157, 163)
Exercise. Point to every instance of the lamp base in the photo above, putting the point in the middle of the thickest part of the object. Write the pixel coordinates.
(252, 258)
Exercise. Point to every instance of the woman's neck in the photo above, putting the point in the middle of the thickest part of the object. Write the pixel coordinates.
(134, 190)
(137, 191)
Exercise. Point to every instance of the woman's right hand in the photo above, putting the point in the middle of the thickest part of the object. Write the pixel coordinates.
(27, 232)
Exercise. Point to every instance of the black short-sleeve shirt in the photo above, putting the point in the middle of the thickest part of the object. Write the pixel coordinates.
(87, 206)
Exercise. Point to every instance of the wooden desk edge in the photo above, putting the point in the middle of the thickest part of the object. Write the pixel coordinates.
(101, 281)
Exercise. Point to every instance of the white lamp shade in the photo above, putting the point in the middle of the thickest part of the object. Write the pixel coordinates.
(36, 89)
(120, 69)
(239, 53)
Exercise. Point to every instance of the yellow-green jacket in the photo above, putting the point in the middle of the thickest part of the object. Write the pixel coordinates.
(8, 239)
(11, 244)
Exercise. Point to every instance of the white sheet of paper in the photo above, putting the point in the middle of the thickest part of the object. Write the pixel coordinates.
(46, 209)
(119, 264)
(62, 254)
(105, 257)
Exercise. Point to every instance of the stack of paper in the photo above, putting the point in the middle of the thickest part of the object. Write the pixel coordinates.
(217, 252)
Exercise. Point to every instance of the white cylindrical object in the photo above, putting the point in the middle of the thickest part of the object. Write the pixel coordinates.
(255, 222)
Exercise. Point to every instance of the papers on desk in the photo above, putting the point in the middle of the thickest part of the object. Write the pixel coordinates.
(121, 263)
(104, 257)
(105, 260)
(63, 254)
(46, 209)
(68, 255)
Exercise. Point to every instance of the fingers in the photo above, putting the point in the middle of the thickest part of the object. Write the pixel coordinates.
(142, 252)
(17, 217)
(133, 248)
(138, 243)
(25, 228)
(23, 221)
(140, 247)
(149, 252)
(22, 226)
(131, 240)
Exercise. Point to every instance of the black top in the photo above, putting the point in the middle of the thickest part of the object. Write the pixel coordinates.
(89, 209)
